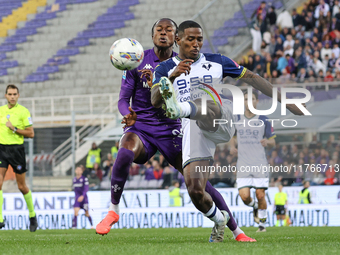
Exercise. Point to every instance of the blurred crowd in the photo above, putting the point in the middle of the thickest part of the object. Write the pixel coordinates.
(298, 46)
(318, 162)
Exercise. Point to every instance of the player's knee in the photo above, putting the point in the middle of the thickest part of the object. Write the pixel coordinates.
(22, 187)
(260, 194)
(196, 193)
(245, 198)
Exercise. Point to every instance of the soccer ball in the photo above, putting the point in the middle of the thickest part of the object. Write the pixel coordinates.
(126, 54)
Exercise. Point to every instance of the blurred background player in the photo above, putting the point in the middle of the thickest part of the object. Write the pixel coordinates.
(252, 139)
(15, 124)
(80, 186)
(304, 195)
(152, 130)
(280, 200)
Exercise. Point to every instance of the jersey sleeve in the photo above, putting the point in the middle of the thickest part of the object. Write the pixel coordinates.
(26, 118)
(232, 69)
(86, 186)
(160, 71)
(269, 130)
(126, 91)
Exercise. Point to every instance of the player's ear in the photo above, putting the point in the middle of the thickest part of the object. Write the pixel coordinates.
(178, 40)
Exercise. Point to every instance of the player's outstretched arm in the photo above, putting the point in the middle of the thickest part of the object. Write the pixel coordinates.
(266, 88)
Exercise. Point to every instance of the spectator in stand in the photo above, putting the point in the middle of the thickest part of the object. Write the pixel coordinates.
(318, 66)
(276, 159)
(329, 77)
(250, 64)
(302, 76)
(335, 9)
(157, 170)
(284, 20)
(288, 45)
(107, 164)
(167, 177)
(321, 9)
(271, 46)
(255, 31)
(94, 182)
(297, 19)
(98, 171)
(331, 63)
(134, 169)
(271, 17)
(284, 77)
(326, 51)
(330, 174)
(94, 156)
(114, 150)
(323, 155)
(269, 65)
(309, 21)
(282, 62)
(284, 153)
(336, 50)
(261, 10)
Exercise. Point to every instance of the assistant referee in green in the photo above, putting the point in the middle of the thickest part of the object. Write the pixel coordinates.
(15, 124)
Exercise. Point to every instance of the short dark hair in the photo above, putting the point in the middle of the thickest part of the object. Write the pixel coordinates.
(187, 24)
(12, 86)
(153, 27)
(256, 94)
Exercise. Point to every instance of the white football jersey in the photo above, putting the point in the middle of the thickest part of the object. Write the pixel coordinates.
(249, 134)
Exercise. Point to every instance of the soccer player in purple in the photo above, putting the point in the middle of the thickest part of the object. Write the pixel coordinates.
(80, 186)
(147, 129)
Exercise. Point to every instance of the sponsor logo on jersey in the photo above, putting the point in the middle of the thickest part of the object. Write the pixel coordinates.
(124, 75)
(148, 66)
(207, 66)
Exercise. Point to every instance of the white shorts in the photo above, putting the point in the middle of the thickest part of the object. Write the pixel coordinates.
(256, 183)
(198, 144)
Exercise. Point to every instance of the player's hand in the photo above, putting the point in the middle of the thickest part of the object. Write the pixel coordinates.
(294, 109)
(80, 199)
(148, 75)
(9, 124)
(183, 67)
(130, 118)
(233, 151)
(264, 142)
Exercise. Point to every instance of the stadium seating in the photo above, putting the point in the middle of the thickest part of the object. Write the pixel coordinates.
(104, 24)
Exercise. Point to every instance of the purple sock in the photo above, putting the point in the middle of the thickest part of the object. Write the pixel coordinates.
(221, 204)
(90, 220)
(74, 222)
(120, 172)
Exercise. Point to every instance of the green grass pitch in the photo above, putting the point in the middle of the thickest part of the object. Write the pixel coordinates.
(280, 240)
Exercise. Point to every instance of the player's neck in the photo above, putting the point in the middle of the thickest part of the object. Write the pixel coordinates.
(78, 176)
(163, 53)
(249, 114)
(10, 106)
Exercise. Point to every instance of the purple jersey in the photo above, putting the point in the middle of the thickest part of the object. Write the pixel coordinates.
(80, 186)
(137, 89)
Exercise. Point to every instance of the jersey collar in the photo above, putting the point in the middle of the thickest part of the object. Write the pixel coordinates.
(12, 107)
(198, 57)
(156, 59)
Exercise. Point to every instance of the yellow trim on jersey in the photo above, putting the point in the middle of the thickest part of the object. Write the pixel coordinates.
(157, 84)
(241, 75)
(272, 137)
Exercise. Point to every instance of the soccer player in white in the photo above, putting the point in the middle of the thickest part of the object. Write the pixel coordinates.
(254, 133)
(191, 73)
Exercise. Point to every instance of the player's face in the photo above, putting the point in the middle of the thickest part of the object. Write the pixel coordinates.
(190, 43)
(12, 96)
(254, 101)
(164, 34)
(78, 171)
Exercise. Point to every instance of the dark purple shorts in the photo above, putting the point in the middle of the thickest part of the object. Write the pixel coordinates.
(166, 138)
(83, 205)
